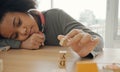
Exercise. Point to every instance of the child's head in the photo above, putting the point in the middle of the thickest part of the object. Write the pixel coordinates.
(15, 6)
(15, 22)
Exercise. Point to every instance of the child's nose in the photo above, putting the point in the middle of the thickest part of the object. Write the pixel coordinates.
(23, 31)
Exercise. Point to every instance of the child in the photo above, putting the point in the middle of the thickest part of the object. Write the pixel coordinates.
(21, 26)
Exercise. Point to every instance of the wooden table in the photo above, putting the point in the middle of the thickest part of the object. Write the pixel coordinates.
(47, 58)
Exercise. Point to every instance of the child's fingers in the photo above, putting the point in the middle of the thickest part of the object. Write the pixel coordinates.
(76, 39)
(86, 38)
(91, 45)
(73, 33)
(60, 37)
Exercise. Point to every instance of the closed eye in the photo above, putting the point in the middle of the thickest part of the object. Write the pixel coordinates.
(17, 22)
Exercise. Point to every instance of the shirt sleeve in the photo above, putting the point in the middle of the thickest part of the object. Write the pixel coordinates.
(9, 42)
(68, 23)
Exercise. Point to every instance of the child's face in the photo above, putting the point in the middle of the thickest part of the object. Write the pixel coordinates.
(19, 26)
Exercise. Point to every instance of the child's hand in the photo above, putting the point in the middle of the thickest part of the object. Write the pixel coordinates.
(81, 42)
(34, 41)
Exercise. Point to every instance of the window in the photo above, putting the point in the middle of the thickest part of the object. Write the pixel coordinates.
(118, 27)
(112, 35)
(91, 13)
(44, 4)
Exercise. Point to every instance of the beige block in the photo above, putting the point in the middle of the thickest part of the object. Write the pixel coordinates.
(63, 42)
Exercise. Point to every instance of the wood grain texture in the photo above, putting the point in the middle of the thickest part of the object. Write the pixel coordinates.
(46, 59)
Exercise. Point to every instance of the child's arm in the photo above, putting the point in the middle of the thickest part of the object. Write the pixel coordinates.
(9, 42)
(33, 42)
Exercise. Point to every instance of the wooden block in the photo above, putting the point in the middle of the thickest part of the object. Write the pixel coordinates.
(63, 42)
(1, 65)
(62, 64)
(62, 59)
(85, 66)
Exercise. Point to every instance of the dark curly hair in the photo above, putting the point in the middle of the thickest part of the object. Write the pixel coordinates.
(15, 6)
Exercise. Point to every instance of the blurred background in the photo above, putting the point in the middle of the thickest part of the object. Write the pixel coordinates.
(101, 16)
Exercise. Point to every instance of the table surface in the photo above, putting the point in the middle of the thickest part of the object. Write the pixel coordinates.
(46, 59)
